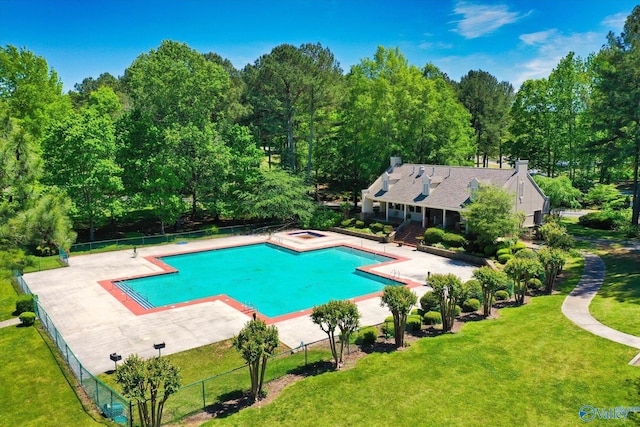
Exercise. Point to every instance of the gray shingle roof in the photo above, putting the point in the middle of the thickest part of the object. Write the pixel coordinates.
(450, 185)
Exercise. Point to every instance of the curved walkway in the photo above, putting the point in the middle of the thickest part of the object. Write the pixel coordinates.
(576, 305)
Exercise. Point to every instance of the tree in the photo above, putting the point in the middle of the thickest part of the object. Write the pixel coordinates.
(552, 260)
(278, 195)
(616, 101)
(490, 280)
(150, 383)
(343, 315)
(449, 290)
(521, 268)
(80, 157)
(489, 102)
(256, 342)
(399, 300)
(560, 191)
(490, 214)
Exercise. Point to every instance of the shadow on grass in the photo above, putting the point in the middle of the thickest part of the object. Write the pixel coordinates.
(622, 280)
(230, 403)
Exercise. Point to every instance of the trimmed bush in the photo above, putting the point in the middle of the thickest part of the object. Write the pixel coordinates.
(490, 250)
(376, 227)
(471, 305)
(458, 310)
(347, 222)
(472, 289)
(367, 336)
(601, 220)
(388, 319)
(414, 323)
(359, 224)
(502, 295)
(416, 312)
(502, 259)
(432, 318)
(503, 251)
(433, 235)
(387, 229)
(429, 302)
(454, 240)
(518, 247)
(387, 329)
(28, 318)
(24, 303)
(534, 284)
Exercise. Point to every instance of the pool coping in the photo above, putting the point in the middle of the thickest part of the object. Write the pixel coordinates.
(137, 309)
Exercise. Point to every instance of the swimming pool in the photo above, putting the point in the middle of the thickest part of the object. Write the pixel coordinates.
(271, 279)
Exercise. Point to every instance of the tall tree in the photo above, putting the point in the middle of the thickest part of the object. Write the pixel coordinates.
(449, 289)
(179, 93)
(80, 157)
(617, 97)
(490, 214)
(489, 102)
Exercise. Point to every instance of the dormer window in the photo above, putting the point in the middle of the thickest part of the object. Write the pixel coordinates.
(474, 184)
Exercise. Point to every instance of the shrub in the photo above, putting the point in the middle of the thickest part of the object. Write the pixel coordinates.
(454, 240)
(472, 289)
(387, 229)
(471, 305)
(518, 246)
(27, 318)
(433, 235)
(322, 219)
(502, 295)
(376, 227)
(388, 319)
(429, 302)
(503, 251)
(432, 318)
(367, 336)
(414, 323)
(347, 222)
(603, 220)
(416, 312)
(490, 250)
(359, 224)
(387, 329)
(24, 303)
(534, 284)
(458, 310)
(502, 259)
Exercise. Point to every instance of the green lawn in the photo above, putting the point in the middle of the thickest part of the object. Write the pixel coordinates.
(34, 391)
(531, 366)
(8, 296)
(214, 359)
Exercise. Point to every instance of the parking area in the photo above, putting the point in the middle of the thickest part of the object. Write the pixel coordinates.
(95, 323)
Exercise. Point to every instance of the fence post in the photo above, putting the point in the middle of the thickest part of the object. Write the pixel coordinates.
(305, 355)
(204, 398)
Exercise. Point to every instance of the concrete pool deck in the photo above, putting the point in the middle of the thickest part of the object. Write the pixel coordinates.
(94, 323)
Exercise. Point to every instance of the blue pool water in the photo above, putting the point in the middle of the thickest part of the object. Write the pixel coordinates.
(274, 280)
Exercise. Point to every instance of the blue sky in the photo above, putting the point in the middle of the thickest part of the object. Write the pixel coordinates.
(514, 40)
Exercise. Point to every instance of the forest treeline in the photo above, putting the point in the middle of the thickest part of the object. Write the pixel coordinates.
(185, 133)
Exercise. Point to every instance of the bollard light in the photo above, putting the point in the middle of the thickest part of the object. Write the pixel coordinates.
(159, 347)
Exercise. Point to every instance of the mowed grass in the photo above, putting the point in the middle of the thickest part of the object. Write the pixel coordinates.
(617, 303)
(8, 296)
(34, 391)
(531, 366)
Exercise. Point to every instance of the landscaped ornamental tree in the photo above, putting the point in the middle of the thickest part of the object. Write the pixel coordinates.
(490, 281)
(449, 290)
(342, 315)
(399, 299)
(150, 383)
(256, 343)
(521, 268)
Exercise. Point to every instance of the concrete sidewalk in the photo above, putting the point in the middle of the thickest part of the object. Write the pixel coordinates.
(576, 305)
(10, 322)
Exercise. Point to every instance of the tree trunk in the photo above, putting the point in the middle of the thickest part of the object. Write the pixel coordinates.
(635, 215)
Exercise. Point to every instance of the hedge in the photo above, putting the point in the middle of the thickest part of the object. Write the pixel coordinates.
(433, 235)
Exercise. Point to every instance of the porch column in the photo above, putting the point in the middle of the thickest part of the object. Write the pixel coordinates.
(444, 219)
(386, 211)
(424, 217)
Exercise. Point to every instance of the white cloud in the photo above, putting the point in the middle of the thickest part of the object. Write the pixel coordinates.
(539, 37)
(615, 22)
(479, 19)
(549, 48)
